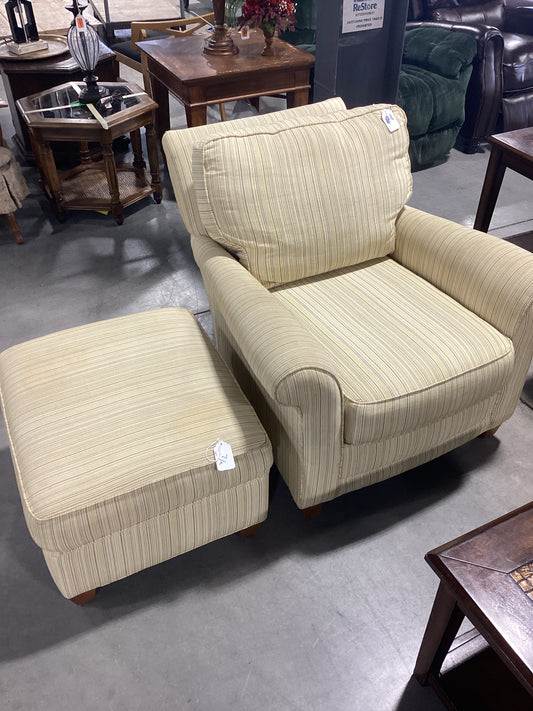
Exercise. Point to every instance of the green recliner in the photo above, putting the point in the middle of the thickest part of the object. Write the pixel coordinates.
(436, 68)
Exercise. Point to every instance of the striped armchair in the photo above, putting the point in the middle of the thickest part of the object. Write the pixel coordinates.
(369, 336)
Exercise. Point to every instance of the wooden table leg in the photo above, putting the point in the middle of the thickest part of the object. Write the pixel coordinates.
(196, 115)
(153, 160)
(442, 627)
(51, 182)
(491, 188)
(84, 152)
(138, 161)
(160, 96)
(112, 181)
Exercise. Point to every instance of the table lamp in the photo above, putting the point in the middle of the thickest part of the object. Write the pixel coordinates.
(220, 42)
(84, 47)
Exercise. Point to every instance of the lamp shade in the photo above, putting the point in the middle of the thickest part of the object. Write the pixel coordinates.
(83, 44)
(84, 47)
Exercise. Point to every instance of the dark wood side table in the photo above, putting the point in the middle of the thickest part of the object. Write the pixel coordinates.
(513, 150)
(484, 576)
(23, 77)
(53, 115)
(178, 65)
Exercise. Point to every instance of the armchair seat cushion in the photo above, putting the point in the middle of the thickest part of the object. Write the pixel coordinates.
(406, 353)
(517, 62)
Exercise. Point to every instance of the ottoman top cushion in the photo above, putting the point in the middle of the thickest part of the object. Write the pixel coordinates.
(115, 422)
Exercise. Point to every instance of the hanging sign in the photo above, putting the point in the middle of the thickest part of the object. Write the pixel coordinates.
(360, 15)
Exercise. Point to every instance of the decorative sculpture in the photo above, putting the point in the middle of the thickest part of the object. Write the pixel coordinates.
(23, 28)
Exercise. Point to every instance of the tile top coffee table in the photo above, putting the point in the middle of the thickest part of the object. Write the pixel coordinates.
(485, 575)
(56, 115)
(514, 150)
(178, 65)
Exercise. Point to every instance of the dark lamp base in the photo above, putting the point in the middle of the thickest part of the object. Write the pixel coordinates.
(91, 93)
(220, 43)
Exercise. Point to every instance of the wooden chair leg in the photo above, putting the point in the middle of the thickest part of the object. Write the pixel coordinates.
(82, 598)
(250, 531)
(489, 433)
(311, 511)
(222, 107)
(14, 225)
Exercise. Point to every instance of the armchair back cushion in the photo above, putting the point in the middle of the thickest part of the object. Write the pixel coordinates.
(439, 50)
(293, 201)
(178, 147)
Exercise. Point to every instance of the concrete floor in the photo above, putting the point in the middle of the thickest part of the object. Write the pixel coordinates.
(325, 614)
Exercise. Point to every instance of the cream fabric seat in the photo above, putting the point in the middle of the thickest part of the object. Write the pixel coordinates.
(370, 337)
(407, 356)
(111, 428)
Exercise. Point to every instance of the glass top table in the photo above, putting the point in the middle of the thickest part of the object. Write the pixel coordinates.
(63, 102)
(57, 115)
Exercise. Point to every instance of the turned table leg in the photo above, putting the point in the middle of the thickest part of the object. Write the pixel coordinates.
(138, 160)
(117, 208)
(153, 160)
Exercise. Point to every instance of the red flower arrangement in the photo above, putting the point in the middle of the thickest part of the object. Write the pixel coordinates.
(272, 16)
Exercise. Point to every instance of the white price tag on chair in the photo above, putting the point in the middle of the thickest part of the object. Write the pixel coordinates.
(223, 456)
(390, 120)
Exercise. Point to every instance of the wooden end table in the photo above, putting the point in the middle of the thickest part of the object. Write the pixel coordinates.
(514, 150)
(54, 115)
(23, 77)
(178, 65)
(484, 575)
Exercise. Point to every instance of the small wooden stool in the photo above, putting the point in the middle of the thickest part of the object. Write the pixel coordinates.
(13, 189)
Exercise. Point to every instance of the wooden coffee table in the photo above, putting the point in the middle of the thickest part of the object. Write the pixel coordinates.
(178, 65)
(513, 150)
(484, 576)
(55, 115)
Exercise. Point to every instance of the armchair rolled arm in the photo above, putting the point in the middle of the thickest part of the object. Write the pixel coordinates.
(303, 411)
(485, 88)
(488, 275)
(278, 349)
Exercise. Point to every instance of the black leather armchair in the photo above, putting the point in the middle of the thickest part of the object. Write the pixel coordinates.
(502, 80)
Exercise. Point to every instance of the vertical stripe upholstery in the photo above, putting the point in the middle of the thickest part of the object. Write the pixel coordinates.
(178, 146)
(111, 428)
(361, 372)
(335, 185)
(405, 353)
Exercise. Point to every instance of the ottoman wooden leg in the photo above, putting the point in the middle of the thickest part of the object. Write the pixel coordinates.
(82, 598)
(489, 433)
(250, 531)
(311, 511)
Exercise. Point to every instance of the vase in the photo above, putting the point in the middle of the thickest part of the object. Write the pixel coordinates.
(268, 51)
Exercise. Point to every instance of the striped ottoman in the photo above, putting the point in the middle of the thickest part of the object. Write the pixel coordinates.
(112, 428)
